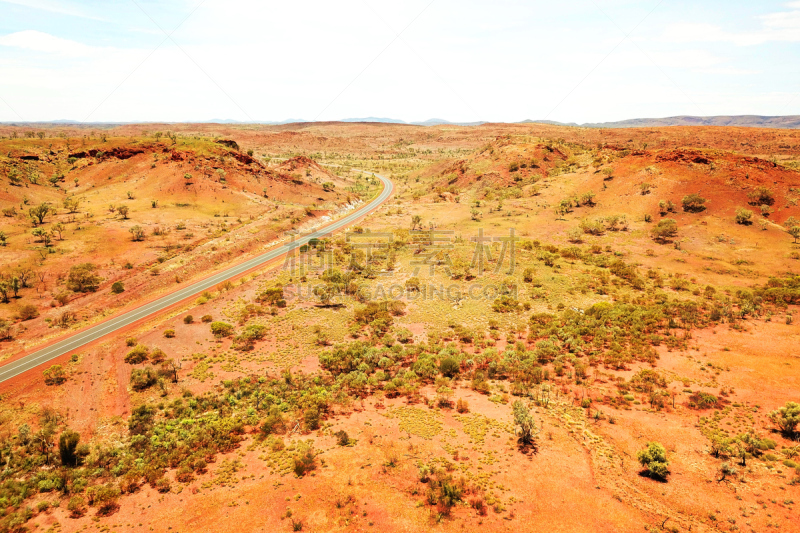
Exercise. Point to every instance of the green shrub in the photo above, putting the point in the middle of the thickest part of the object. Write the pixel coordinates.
(82, 278)
(221, 329)
(143, 378)
(68, 447)
(702, 400)
(505, 304)
(117, 287)
(104, 497)
(54, 375)
(654, 459)
(787, 418)
(693, 203)
(761, 196)
(449, 367)
(139, 354)
(304, 462)
(744, 216)
(76, 506)
(666, 229)
(27, 312)
(342, 438)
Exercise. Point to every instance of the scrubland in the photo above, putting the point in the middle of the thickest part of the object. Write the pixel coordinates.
(544, 328)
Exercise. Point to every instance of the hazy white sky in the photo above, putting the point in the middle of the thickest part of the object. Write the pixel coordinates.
(464, 60)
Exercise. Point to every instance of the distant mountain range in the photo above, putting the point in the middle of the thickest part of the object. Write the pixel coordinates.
(750, 121)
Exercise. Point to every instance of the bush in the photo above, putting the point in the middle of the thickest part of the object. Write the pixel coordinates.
(665, 229)
(702, 400)
(206, 318)
(311, 419)
(82, 278)
(162, 485)
(693, 203)
(117, 287)
(304, 463)
(527, 426)
(141, 420)
(449, 367)
(342, 438)
(27, 312)
(130, 341)
(169, 333)
(54, 375)
(143, 378)
(528, 275)
(76, 507)
(761, 196)
(787, 418)
(139, 354)
(413, 284)
(68, 446)
(221, 329)
(158, 356)
(462, 406)
(744, 216)
(654, 459)
(104, 497)
(188, 319)
(505, 304)
(272, 296)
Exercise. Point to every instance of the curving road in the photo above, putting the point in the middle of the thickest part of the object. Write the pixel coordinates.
(94, 333)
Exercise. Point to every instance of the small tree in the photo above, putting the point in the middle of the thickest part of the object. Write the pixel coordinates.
(82, 278)
(693, 203)
(654, 459)
(39, 212)
(123, 211)
(171, 367)
(304, 462)
(137, 232)
(58, 228)
(787, 418)
(449, 367)
(76, 507)
(794, 231)
(68, 447)
(413, 284)
(27, 312)
(44, 236)
(665, 229)
(526, 425)
(71, 204)
(761, 196)
(117, 287)
(105, 497)
(139, 354)
(744, 216)
(143, 378)
(54, 375)
(221, 329)
(326, 293)
(5, 287)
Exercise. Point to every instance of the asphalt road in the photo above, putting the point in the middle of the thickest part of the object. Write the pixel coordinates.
(108, 327)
